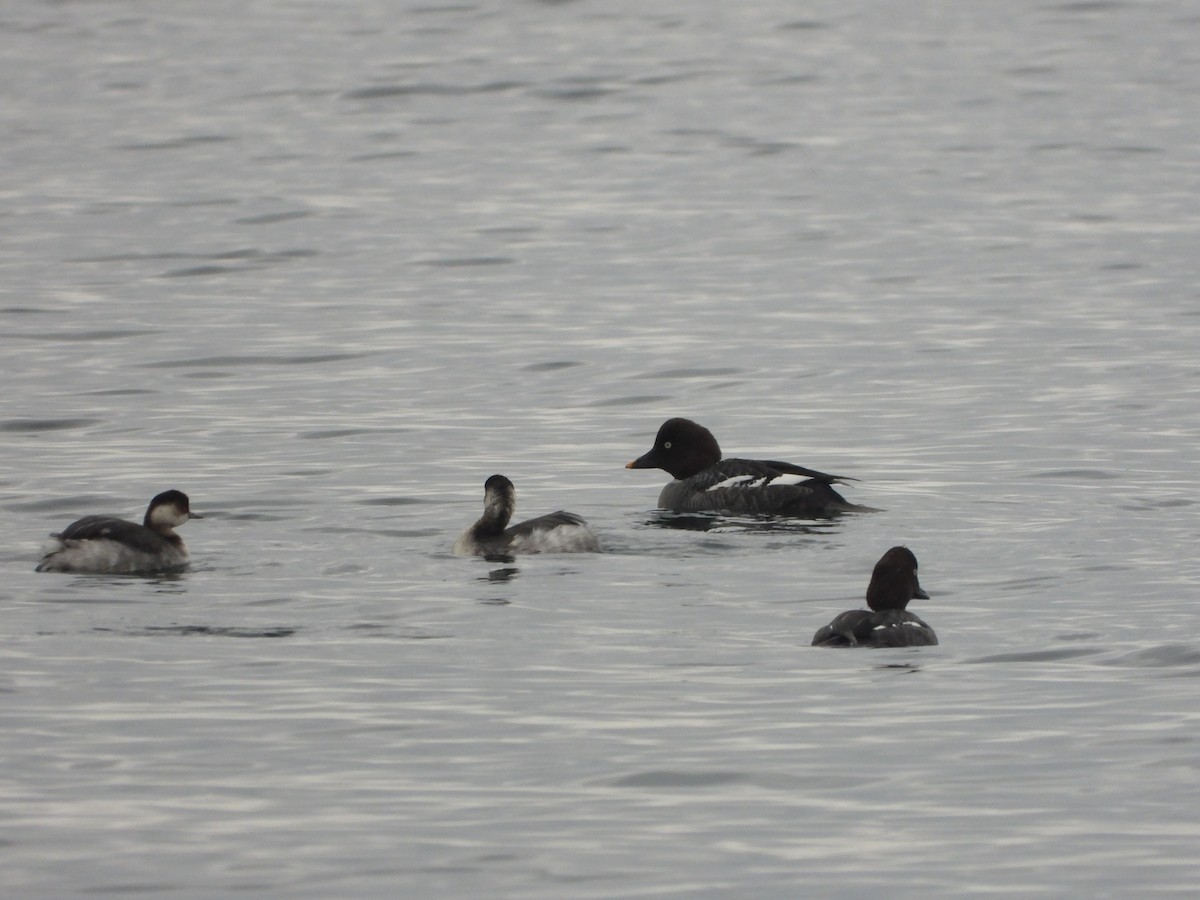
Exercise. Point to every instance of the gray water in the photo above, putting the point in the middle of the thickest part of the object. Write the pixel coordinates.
(327, 266)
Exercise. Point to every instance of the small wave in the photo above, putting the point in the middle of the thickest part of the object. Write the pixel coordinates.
(96, 335)
(575, 93)
(393, 501)
(1085, 474)
(1143, 505)
(33, 426)
(58, 504)
(272, 218)
(198, 272)
(1089, 6)
(333, 433)
(207, 631)
(428, 89)
(339, 569)
(670, 778)
(697, 373)
(1164, 656)
(635, 400)
(551, 366)
(1056, 655)
(178, 143)
(462, 262)
(204, 362)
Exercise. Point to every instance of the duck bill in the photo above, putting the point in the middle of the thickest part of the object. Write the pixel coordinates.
(645, 461)
(920, 594)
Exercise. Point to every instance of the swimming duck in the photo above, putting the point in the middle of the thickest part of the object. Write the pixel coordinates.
(887, 623)
(704, 481)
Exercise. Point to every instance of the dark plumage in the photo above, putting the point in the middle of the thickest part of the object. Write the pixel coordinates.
(704, 481)
(131, 534)
(887, 623)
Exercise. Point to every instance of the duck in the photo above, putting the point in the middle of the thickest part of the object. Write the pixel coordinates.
(704, 482)
(887, 623)
(110, 545)
(556, 532)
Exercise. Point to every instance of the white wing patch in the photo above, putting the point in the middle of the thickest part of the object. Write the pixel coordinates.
(789, 478)
(734, 481)
(754, 482)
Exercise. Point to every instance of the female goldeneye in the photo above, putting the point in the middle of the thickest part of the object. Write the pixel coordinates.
(106, 544)
(705, 482)
(556, 532)
(887, 624)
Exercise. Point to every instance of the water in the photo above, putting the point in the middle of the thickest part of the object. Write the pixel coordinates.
(327, 267)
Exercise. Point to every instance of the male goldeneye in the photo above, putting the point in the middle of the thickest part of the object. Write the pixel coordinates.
(705, 482)
(106, 544)
(556, 532)
(887, 624)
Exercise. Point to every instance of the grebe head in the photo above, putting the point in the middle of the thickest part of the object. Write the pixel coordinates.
(499, 499)
(169, 509)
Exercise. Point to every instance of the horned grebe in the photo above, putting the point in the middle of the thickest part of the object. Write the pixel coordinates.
(556, 532)
(106, 544)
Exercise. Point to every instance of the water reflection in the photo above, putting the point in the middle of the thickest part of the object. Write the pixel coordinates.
(906, 668)
(508, 573)
(683, 521)
(741, 523)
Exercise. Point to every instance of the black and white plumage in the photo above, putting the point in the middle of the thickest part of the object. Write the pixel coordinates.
(109, 545)
(556, 532)
(887, 623)
(704, 482)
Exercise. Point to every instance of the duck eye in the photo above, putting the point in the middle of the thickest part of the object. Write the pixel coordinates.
(666, 445)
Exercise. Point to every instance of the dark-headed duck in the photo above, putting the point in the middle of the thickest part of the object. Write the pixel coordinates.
(704, 482)
(887, 623)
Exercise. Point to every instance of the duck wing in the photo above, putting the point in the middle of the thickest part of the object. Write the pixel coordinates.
(754, 486)
(900, 628)
(863, 628)
(556, 532)
(95, 528)
(847, 629)
(545, 523)
(788, 468)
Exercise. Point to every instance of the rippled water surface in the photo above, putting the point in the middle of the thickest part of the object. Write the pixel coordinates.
(326, 267)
